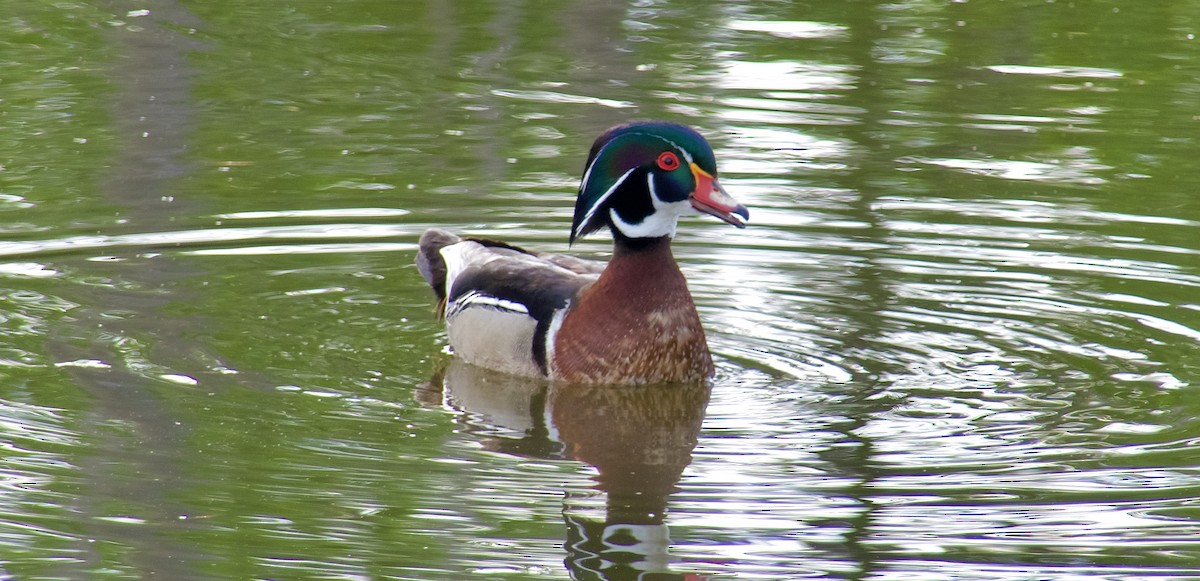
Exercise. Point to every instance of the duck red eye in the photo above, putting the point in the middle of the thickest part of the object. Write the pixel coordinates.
(668, 161)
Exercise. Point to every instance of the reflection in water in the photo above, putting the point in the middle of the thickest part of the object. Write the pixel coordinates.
(134, 473)
(639, 439)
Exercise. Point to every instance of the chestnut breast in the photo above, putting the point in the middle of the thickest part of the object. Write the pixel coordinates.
(636, 324)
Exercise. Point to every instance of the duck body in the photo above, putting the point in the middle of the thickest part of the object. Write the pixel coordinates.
(572, 320)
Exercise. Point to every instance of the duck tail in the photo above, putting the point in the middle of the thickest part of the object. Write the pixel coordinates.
(432, 265)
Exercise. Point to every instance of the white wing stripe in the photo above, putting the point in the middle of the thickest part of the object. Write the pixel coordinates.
(478, 299)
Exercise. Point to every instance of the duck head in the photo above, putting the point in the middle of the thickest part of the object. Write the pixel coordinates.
(642, 177)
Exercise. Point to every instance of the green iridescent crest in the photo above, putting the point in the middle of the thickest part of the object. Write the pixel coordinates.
(623, 163)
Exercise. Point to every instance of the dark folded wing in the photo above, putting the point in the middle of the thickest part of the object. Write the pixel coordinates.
(482, 274)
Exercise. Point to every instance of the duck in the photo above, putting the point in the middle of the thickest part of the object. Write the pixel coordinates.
(572, 320)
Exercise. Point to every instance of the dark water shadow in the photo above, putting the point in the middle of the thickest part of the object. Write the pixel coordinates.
(639, 439)
(135, 465)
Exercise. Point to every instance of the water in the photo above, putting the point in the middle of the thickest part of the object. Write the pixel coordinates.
(960, 339)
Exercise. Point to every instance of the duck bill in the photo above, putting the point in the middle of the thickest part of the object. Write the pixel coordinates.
(710, 198)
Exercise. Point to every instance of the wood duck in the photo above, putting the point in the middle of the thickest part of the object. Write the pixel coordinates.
(572, 320)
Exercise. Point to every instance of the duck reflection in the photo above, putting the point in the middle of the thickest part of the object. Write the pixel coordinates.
(639, 439)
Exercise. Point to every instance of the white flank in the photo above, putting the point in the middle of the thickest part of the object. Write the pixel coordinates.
(494, 338)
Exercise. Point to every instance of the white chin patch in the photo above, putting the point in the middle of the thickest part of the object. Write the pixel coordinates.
(660, 223)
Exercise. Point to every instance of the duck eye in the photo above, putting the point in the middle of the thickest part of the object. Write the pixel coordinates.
(668, 161)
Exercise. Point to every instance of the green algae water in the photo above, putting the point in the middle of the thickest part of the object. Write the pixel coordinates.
(959, 340)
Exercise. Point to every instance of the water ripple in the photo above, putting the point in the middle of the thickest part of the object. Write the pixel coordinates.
(1056, 71)
(790, 29)
(205, 237)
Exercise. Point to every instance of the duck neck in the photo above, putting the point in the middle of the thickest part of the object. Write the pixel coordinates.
(646, 265)
(642, 248)
(644, 276)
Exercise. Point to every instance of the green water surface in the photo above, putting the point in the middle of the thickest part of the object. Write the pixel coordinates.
(960, 339)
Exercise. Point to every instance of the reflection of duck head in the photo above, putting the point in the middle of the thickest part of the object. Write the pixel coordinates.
(639, 439)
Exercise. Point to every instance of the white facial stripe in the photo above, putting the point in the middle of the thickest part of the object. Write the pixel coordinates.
(600, 202)
(687, 156)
